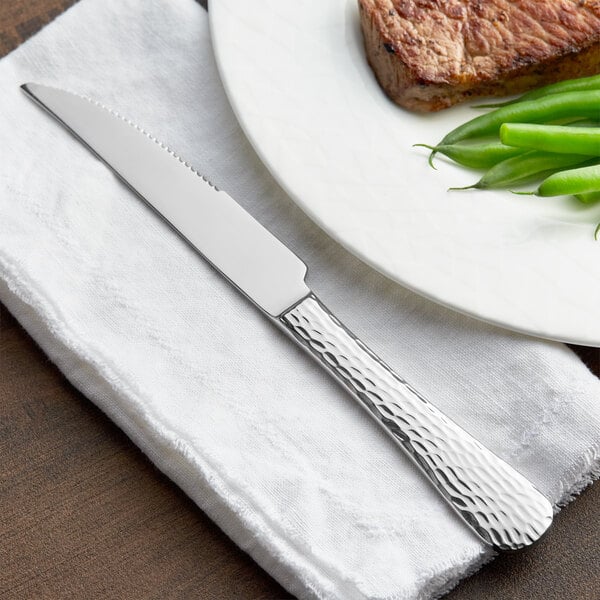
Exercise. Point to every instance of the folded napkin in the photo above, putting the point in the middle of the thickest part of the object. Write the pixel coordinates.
(262, 440)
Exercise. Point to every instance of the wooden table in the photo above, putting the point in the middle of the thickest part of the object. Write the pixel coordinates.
(83, 514)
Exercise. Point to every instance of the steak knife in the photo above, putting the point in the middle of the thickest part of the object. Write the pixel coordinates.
(499, 504)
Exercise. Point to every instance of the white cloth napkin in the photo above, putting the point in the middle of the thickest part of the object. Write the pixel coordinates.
(222, 402)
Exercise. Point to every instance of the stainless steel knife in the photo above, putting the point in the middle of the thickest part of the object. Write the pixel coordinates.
(500, 505)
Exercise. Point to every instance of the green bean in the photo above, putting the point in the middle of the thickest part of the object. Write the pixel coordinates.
(552, 138)
(582, 123)
(589, 197)
(545, 109)
(523, 167)
(476, 156)
(572, 85)
(572, 182)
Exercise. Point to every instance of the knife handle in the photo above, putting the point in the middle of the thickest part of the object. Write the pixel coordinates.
(500, 505)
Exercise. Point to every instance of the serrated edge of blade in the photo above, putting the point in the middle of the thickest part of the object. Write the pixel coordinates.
(114, 113)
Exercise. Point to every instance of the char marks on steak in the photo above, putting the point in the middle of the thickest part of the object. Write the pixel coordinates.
(431, 54)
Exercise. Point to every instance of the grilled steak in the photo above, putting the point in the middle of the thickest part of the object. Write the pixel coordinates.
(431, 54)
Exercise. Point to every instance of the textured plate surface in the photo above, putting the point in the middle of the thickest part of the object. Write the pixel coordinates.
(300, 85)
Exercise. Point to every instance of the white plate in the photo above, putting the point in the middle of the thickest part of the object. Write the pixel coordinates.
(297, 78)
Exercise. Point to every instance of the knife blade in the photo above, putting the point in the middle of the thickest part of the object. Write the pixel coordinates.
(499, 504)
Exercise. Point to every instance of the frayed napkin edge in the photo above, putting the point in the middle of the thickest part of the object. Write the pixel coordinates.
(272, 552)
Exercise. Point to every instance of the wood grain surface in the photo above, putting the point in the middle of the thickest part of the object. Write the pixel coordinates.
(83, 514)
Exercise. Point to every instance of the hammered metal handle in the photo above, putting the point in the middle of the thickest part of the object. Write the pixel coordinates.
(497, 502)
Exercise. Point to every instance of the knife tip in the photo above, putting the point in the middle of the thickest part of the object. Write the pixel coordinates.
(26, 87)
(32, 89)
